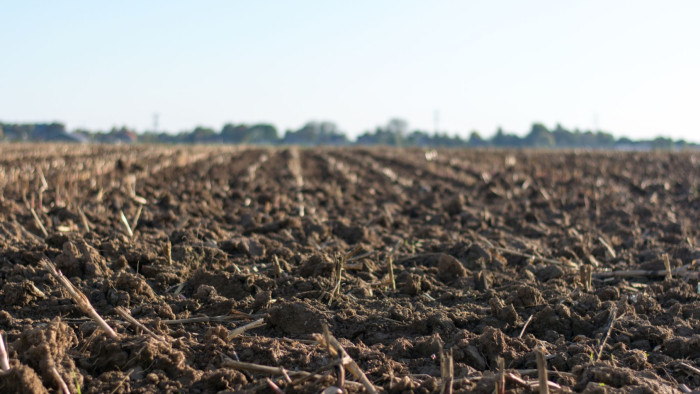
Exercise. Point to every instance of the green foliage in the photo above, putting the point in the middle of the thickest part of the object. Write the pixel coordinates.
(394, 133)
(316, 133)
(202, 135)
(539, 137)
(77, 382)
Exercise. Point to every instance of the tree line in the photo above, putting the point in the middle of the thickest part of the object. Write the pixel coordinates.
(395, 133)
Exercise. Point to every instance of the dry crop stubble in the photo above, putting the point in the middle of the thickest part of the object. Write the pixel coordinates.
(222, 282)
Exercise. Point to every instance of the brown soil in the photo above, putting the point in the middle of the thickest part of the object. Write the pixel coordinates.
(488, 253)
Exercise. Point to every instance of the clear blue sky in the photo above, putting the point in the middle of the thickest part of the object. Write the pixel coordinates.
(629, 67)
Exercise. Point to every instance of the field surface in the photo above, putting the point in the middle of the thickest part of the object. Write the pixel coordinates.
(219, 270)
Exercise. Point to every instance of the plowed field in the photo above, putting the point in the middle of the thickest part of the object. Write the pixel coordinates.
(220, 268)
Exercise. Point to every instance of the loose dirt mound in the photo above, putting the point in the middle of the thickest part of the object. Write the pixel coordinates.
(240, 257)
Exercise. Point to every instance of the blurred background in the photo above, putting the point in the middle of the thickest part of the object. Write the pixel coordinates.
(451, 69)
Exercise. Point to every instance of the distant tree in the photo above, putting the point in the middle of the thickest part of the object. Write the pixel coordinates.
(397, 126)
(563, 137)
(604, 140)
(307, 135)
(234, 134)
(662, 143)
(539, 137)
(681, 144)
(203, 135)
(393, 134)
(418, 138)
(262, 134)
(85, 134)
(47, 131)
(380, 137)
(502, 139)
(476, 140)
(625, 141)
(327, 133)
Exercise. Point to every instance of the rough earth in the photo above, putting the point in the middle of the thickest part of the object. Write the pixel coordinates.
(489, 251)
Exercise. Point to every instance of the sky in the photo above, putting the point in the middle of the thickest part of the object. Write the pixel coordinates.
(628, 67)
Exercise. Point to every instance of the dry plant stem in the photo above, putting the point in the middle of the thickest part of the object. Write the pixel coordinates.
(501, 381)
(315, 373)
(613, 316)
(350, 363)
(530, 384)
(44, 185)
(339, 268)
(80, 299)
(333, 353)
(295, 169)
(38, 223)
(304, 341)
(522, 332)
(238, 331)
(84, 219)
(361, 256)
(135, 222)
(168, 252)
(125, 222)
(586, 277)
(582, 278)
(4, 360)
(127, 316)
(278, 267)
(274, 371)
(533, 257)
(203, 319)
(341, 376)
(127, 376)
(61, 383)
(274, 386)
(354, 266)
(690, 368)
(517, 379)
(392, 278)
(542, 372)
(684, 389)
(549, 372)
(138, 199)
(447, 371)
(607, 246)
(667, 265)
(686, 270)
(285, 375)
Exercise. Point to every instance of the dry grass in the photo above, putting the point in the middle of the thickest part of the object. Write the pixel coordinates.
(80, 299)
(334, 347)
(4, 360)
(38, 223)
(542, 372)
(446, 371)
(339, 268)
(126, 224)
(522, 332)
(613, 316)
(127, 316)
(168, 252)
(59, 380)
(238, 331)
(278, 371)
